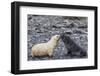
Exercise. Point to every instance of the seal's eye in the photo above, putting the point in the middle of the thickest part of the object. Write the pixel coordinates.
(57, 36)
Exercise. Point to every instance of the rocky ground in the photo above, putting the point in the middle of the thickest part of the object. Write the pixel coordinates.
(41, 28)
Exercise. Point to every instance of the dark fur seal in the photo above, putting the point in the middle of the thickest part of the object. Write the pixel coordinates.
(73, 48)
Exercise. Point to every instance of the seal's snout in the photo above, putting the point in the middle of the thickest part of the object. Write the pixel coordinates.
(62, 35)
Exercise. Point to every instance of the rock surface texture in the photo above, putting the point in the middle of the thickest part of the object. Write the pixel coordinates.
(42, 27)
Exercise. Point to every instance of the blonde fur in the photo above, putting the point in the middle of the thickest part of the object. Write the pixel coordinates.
(47, 48)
